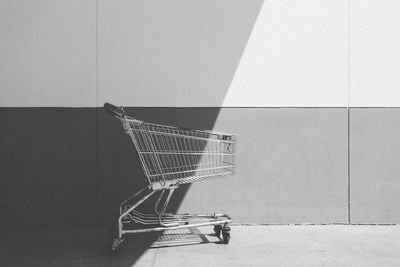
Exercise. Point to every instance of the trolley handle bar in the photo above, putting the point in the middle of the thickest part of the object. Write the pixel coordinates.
(114, 110)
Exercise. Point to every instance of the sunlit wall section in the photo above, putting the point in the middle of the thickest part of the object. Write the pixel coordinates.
(374, 53)
(296, 56)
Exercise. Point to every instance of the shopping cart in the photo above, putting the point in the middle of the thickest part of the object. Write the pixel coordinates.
(170, 157)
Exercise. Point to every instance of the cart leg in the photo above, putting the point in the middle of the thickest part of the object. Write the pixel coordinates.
(158, 202)
(118, 230)
(115, 242)
(217, 230)
(171, 191)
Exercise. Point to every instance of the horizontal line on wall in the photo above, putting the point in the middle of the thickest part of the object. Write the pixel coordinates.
(376, 107)
(314, 224)
(243, 107)
(47, 107)
(256, 107)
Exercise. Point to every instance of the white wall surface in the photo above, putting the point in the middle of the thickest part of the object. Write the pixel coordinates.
(200, 53)
(375, 53)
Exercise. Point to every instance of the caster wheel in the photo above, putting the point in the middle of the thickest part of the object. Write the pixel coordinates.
(217, 230)
(226, 235)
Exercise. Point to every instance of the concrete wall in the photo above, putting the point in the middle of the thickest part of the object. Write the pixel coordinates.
(311, 87)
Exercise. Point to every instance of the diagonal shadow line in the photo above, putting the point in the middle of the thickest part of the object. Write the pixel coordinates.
(119, 170)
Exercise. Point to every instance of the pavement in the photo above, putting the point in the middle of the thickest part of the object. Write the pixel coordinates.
(268, 245)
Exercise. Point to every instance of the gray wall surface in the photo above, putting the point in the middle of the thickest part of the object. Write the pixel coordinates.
(227, 65)
(291, 167)
(374, 163)
(74, 166)
(171, 53)
(59, 166)
(48, 53)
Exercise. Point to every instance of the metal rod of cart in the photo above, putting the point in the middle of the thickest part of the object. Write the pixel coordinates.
(172, 156)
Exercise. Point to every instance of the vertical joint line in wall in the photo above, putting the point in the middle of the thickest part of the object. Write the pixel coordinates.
(348, 53)
(96, 55)
(348, 115)
(348, 167)
(96, 115)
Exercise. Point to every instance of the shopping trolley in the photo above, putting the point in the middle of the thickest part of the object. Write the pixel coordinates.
(170, 157)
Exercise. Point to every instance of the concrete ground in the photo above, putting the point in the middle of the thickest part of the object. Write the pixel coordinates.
(292, 245)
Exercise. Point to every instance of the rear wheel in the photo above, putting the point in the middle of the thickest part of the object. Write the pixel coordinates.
(226, 235)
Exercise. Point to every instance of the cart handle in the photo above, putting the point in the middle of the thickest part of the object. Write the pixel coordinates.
(114, 110)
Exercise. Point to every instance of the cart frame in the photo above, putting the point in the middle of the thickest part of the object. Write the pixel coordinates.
(171, 156)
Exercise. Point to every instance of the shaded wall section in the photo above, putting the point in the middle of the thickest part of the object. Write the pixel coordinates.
(119, 168)
(291, 165)
(48, 165)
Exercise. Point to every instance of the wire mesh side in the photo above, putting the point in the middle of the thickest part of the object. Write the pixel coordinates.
(171, 154)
